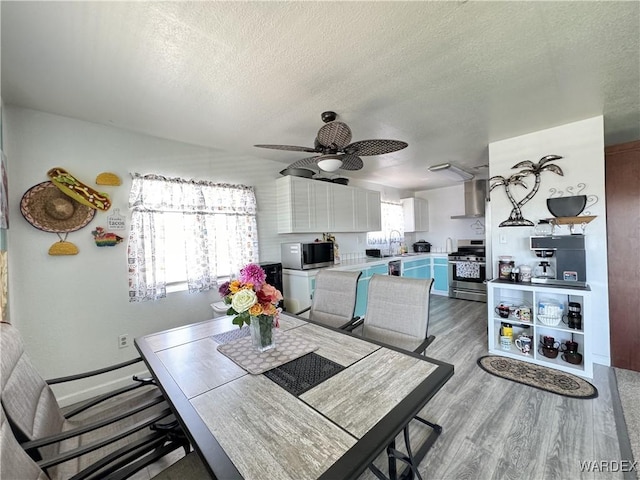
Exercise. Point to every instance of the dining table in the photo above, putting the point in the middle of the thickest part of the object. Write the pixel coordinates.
(322, 404)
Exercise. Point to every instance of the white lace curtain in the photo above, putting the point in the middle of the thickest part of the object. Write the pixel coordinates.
(220, 227)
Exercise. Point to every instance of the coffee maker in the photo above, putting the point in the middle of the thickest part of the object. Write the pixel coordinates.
(568, 254)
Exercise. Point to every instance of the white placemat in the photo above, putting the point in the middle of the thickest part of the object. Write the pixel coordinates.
(288, 347)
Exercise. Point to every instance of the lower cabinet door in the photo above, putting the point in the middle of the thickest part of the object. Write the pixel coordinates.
(440, 278)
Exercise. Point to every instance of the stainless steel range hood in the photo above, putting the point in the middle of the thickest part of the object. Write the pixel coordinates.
(475, 193)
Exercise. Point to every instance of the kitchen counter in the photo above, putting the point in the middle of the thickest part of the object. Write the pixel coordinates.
(365, 262)
(300, 284)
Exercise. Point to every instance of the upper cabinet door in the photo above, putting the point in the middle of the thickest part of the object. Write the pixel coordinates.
(344, 212)
(311, 206)
(416, 214)
(322, 208)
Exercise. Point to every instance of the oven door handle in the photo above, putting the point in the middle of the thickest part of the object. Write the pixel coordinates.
(454, 262)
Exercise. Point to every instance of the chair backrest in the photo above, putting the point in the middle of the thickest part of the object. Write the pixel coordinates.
(14, 461)
(27, 400)
(334, 298)
(398, 311)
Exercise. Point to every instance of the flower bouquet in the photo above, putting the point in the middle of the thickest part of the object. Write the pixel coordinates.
(253, 302)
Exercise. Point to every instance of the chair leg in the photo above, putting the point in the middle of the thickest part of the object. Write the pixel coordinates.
(437, 428)
(412, 460)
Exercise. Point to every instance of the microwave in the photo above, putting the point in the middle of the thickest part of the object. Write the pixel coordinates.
(304, 256)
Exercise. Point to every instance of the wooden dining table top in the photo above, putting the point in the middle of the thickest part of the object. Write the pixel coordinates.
(246, 425)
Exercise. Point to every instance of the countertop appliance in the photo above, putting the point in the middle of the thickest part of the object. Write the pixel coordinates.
(569, 254)
(373, 252)
(422, 246)
(467, 271)
(305, 256)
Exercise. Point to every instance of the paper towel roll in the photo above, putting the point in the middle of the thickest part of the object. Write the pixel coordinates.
(449, 245)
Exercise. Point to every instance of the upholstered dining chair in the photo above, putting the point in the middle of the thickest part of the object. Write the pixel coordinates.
(112, 436)
(334, 298)
(398, 315)
(14, 461)
(398, 312)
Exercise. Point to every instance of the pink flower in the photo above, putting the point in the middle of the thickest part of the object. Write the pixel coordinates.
(254, 274)
(223, 289)
(270, 292)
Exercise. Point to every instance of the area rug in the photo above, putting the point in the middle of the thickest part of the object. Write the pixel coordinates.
(544, 378)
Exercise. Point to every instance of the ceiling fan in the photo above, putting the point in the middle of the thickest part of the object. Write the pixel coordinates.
(334, 150)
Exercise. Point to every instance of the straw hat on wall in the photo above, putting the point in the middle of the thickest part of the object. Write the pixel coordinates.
(47, 208)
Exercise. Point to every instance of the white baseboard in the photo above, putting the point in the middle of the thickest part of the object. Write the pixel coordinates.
(602, 360)
(82, 395)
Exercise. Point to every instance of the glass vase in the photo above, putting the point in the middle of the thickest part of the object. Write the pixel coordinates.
(262, 337)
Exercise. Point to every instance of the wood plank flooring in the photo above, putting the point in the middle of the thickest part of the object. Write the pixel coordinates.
(497, 429)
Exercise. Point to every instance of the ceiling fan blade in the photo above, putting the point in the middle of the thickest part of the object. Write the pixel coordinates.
(375, 147)
(351, 162)
(292, 148)
(305, 162)
(336, 134)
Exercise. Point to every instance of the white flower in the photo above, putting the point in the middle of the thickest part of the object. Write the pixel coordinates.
(243, 300)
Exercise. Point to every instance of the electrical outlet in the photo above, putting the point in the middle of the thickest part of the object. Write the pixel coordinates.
(503, 238)
(123, 340)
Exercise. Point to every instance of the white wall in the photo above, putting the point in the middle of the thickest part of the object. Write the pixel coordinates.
(71, 309)
(443, 204)
(581, 144)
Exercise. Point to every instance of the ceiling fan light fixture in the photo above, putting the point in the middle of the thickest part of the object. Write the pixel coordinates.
(451, 171)
(330, 163)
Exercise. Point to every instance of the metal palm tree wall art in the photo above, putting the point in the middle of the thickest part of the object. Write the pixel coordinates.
(527, 168)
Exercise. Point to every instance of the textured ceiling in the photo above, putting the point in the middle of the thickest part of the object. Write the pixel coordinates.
(446, 77)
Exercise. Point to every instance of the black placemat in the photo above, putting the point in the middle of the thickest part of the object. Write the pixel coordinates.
(231, 335)
(304, 373)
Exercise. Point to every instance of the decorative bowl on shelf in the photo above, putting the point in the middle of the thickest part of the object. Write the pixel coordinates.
(571, 206)
(549, 320)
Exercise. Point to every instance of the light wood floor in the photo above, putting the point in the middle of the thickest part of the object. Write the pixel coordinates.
(497, 429)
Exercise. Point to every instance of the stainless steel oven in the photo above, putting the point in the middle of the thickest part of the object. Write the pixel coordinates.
(467, 271)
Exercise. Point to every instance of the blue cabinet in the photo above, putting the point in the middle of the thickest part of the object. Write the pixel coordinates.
(417, 268)
(363, 287)
(441, 275)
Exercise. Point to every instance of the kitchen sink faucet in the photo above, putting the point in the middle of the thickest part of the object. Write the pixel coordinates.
(391, 242)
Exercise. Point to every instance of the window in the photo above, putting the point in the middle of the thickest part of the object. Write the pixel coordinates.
(187, 231)
(392, 226)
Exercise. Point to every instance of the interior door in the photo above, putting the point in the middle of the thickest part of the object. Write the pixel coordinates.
(622, 177)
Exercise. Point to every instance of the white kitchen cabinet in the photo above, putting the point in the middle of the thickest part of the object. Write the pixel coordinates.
(530, 295)
(367, 215)
(416, 214)
(298, 286)
(374, 211)
(311, 206)
(343, 210)
(294, 201)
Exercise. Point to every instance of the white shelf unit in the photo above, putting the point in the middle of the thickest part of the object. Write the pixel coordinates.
(530, 294)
